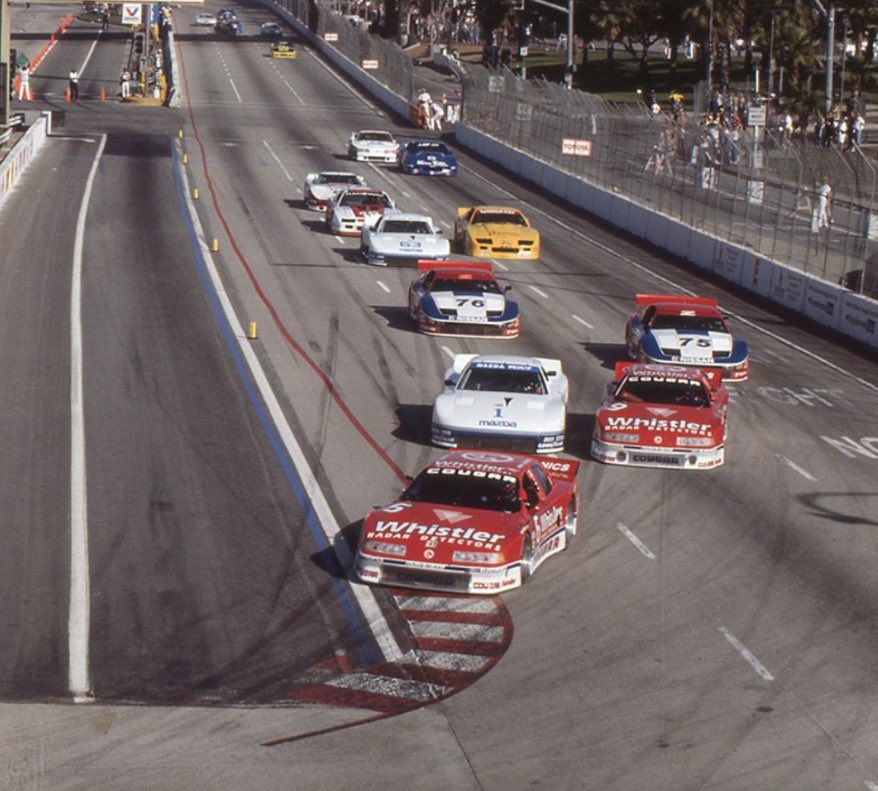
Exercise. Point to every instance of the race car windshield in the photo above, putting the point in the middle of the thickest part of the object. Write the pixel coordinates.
(433, 148)
(698, 323)
(365, 200)
(405, 226)
(499, 218)
(375, 137)
(465, 491)
(680, 392)
(481, 286)
(337, 178)
(503, 380)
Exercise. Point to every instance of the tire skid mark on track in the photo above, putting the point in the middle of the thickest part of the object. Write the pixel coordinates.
(454, 641)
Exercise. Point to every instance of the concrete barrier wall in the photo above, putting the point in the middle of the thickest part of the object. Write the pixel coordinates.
(21, 154)
(827, 304)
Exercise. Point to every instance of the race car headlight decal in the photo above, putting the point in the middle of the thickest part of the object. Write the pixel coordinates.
(620, 436)
(463, 556)
(695, 442)
(483, 241)
(385, 548)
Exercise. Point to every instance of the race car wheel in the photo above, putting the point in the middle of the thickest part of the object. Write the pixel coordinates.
(527, 559)
(570, 524)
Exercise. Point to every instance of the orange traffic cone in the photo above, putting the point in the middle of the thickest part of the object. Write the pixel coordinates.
(103, 94)
(68, 93)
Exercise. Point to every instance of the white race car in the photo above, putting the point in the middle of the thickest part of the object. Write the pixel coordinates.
(401, 238)
(502, 402)
(205, 19)
(373, 145)
(321, 188)
(354, 208)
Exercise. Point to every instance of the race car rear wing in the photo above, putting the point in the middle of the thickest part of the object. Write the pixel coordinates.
(644, 300)
(559, 469)
(424, 265)
(714, 375)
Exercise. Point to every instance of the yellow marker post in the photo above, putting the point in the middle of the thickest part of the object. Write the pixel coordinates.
(195, 193)
(185, 159)
(214, 245)
(180, 133)
(251, 331)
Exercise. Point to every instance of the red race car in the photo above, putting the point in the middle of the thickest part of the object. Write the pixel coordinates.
(662, 416)
(472, 522)
(684, 330)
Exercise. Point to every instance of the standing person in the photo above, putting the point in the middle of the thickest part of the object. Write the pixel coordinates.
(125, 83)
(24, 92)
(105, 20)
(823, 210)
(73, 84)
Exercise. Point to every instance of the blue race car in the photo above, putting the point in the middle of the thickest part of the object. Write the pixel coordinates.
(427, 158)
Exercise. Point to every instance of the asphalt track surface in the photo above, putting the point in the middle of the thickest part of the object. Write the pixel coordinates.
(706, 630)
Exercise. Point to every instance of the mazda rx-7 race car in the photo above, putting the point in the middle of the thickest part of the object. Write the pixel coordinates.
(373, 145)
(496, 232)
(355, 207)
(502, 401)
(685, 330)
(321, 188)
(662, 416)
(462, 298)
(427, 158)
(402, 238)
(472, 522)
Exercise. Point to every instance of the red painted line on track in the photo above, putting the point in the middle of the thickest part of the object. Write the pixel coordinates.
(278, 322)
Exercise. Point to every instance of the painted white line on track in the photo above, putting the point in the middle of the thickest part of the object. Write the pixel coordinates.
(364, 595)
(235, 89)
(383, 286)
(795, 467)
(277, 160)
(448, 351)
(642, 548)
(748, 657)
(293, 91)
(351, 90)
(79, 616)
(871, 786)
(671, 284)
(539, 291)
(499, 264)
(582, 321)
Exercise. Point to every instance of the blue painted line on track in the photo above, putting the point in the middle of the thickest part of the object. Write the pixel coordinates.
(348, 606)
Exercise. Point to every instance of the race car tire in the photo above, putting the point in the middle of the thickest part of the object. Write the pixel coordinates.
(527, 559)
(571, 523)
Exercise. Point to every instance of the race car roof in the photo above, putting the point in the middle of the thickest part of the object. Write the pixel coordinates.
(458, 270)
(677, 303)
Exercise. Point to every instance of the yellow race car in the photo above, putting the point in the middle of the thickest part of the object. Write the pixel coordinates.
(283, 49)
(495, 232)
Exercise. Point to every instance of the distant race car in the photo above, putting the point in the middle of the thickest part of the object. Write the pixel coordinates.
(228, 26)
(402, 238)
(502, 401)
(321, 188)
(684, 330)
(662, 416)
(373, 145)
(205, 19)
(495, 232)
(283, 49)
(462, 298)
(355, 207)
(271, 30)
(472, 522)
(427, 157)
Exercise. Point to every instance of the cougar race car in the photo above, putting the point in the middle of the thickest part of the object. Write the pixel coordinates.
(401, 238)
(462, 298)
(427, 157)
(662, 416)
(283, 49)
(472, 522)
(355, 207)
(495, 232)
(321, 188)
(373, 145)
(685, 330)
(502, 401)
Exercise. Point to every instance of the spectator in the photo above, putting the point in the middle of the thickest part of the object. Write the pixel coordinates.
(24, 92)
(73, 85)
(822, 215)
(125, 83)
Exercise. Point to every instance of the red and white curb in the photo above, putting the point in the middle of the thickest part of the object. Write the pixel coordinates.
(455, 641)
